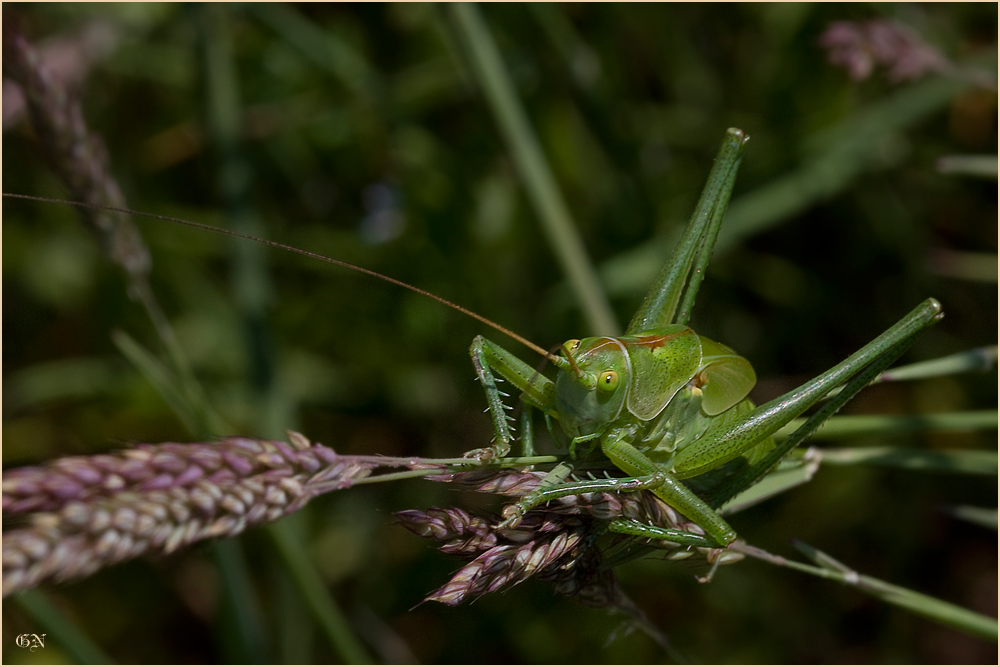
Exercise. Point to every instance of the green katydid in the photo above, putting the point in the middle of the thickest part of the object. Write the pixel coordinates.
(662, 402)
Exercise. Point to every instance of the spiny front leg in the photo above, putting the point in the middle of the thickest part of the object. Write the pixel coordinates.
(492, 363)
(497, 408)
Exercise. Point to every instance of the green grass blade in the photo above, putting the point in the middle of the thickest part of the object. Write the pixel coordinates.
(792, 473)
(81, 377)
(918, 603)
(244, 634)
(69, 637)
(789, 474)
(931, 607)
(320, 46)
(980, 166)
(974, 266)
(543, 192)
(314, 593)
(579, 59)
(979, 359)
(969, 462)
(981, 516)
(924, 605)
(199, 419)
(162, 380)
(244, 638)
(841, 154)
(856, 426)
(295, 629)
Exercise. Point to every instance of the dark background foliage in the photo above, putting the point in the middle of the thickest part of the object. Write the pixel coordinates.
(361, 134)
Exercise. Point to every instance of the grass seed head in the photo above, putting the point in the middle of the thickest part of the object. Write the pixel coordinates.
(86, 512)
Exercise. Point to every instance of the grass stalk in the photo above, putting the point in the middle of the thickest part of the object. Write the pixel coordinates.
(969, 462)
(524, 147)
(312, 589)
(857, 426)
(936, 610)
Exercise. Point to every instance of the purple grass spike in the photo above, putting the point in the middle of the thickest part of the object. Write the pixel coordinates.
(83, 513)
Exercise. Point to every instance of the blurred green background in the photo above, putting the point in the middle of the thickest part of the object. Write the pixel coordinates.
(360, 132)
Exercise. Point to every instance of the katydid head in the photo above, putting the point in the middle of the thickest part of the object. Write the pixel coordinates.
(592, 387)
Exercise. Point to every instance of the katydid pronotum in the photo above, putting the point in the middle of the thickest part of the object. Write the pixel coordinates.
(661, 402)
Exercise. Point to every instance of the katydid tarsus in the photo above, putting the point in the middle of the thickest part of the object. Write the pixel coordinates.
(661, 402)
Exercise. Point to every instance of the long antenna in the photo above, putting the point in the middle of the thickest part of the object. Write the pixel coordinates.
(274, 244)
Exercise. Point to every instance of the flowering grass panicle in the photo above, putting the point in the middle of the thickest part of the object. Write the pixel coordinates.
(555, 542)
(859, 46)
(82, 513)
(76, 154)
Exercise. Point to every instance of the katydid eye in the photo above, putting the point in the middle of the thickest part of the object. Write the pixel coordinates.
(573, 344)
(608, 380)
